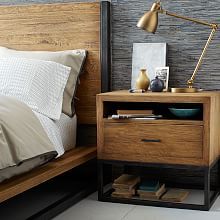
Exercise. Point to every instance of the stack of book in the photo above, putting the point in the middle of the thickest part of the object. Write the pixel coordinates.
(135, 114)
(125, 186)
(151, 190)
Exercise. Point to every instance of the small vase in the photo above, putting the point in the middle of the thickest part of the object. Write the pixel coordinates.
(157, 85)
(143, 80)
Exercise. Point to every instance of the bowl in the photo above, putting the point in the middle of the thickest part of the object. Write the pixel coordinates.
(184, 113)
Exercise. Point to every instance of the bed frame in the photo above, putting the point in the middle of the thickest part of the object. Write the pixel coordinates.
(55, 27)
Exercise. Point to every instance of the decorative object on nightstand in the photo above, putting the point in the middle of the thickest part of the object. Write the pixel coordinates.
(147, 56)
(184, 113)
(149, 22)
(156, 85)
(143, 80)
(163, 74)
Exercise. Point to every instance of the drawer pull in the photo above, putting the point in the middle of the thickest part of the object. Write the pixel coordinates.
(150, 140)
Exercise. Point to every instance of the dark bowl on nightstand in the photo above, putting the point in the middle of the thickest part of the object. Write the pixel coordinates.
(184, 113)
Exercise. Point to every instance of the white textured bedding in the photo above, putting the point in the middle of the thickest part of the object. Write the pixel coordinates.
(67, 127)
(39, 85)
(52, 132)
(62, 133)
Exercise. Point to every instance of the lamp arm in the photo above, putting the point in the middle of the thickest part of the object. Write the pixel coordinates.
(187, 18)
(211, 25)
(191, 80)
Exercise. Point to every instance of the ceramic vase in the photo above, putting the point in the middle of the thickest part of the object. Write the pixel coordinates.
(156, 85)
(143, 80)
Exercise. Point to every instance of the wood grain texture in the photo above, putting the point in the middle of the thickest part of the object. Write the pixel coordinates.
(189, 142)
(41, 174)
(162, 97)
(125, 141)
(55, 27)
(214, 128)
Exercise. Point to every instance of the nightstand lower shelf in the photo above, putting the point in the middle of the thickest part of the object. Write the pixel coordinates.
(210, 192)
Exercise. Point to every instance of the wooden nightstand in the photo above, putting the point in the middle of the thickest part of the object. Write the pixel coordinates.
(169, 142)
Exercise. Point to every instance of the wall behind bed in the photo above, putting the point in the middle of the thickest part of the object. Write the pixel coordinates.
(185, 39)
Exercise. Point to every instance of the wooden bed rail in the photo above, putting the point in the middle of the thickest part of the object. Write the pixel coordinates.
(68, 161)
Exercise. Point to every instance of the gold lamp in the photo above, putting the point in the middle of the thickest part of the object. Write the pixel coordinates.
(149, 22)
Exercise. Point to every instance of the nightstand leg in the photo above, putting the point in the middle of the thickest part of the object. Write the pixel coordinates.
(207, 188)
(100, 181)
(218, 179)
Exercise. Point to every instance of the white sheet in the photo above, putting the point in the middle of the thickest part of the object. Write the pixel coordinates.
(68, 128)
(52, 131)
(62, 133)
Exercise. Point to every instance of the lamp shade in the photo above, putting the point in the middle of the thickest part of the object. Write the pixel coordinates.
(149, 21)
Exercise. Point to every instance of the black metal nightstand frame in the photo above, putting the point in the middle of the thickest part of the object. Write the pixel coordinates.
(209, 198)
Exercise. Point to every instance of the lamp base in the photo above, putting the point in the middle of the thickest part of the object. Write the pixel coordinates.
(184, 90)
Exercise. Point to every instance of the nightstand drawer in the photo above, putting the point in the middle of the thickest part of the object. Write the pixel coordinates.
(142, 141)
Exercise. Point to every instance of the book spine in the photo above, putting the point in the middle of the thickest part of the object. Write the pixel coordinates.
(129, 112)
(136, 116)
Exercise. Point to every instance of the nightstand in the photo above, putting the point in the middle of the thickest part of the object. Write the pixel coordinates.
(166, 143)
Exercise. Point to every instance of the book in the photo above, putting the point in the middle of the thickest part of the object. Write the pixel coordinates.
(127, 179)
(152, 195)
(126, 182)
(122, 195)
(175, 195)
(136, 116)
(121, 190)
(149, 185)
(134, 112)
(122, 187)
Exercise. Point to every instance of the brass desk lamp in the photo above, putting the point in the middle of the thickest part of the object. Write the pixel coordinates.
(149, 22)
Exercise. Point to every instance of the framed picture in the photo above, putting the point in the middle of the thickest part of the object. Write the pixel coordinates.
(147, 56)
(163, 74)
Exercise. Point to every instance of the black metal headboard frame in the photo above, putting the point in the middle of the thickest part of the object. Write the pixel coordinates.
(105, 49)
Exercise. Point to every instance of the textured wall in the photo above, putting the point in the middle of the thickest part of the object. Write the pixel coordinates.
(185, 39)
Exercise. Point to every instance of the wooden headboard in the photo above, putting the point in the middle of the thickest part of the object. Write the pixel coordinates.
(56, 27)
(65, 26)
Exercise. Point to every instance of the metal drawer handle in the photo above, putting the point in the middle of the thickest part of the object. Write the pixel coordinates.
(150, 140)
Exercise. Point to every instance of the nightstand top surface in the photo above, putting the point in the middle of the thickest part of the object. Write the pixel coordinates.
(126, 93)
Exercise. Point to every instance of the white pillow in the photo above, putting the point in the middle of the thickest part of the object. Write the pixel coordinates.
(39, 84)
(72, 58)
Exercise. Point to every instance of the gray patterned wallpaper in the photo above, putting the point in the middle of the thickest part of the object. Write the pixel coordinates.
(185, 39)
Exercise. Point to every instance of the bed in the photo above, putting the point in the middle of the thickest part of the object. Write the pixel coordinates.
(56, 27)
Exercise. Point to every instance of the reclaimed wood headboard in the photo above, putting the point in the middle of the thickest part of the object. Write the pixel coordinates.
(53, 27)
(65, 26)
